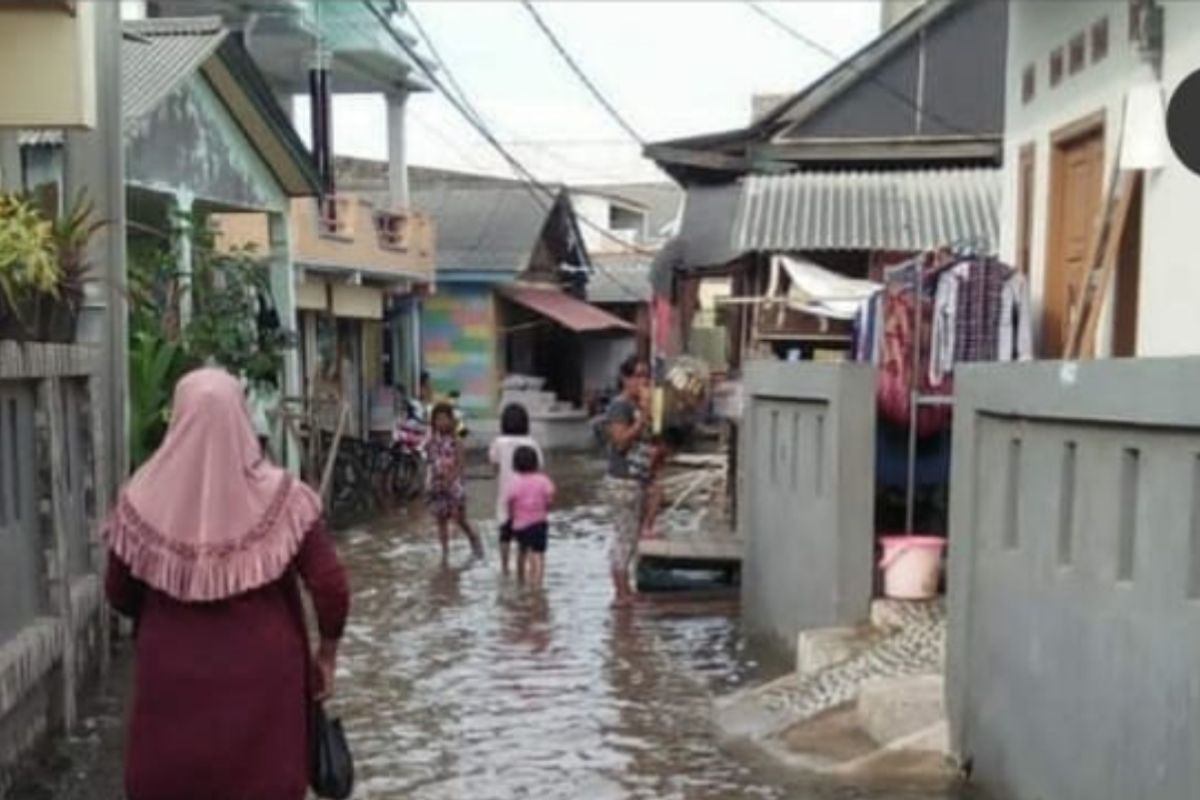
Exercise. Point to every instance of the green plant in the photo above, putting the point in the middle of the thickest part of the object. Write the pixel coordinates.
(73, 231)
(155, 366)
(224, 326)
(28, 255)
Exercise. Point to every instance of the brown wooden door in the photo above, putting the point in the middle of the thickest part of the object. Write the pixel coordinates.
(1076, 185)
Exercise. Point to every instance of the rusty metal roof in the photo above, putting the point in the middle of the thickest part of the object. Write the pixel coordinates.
(909, 210)
(569, 312)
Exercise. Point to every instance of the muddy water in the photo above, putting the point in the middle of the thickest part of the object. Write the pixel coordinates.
(457, 683)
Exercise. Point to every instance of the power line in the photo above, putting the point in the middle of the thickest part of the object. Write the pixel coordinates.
(578, 70)
(529, 180)
(907, 100)
(433, 51)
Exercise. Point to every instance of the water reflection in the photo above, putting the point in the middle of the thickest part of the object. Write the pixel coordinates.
(457, 683)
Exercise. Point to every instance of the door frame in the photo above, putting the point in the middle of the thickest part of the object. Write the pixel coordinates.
(1094, 124)
(1026, 205)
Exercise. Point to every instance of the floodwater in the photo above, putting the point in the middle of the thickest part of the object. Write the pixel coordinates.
(458, 683)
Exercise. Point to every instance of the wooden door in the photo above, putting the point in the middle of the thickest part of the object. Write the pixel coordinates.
(1076, 184)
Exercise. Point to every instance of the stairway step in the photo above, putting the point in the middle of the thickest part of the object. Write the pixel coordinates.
(893, 708)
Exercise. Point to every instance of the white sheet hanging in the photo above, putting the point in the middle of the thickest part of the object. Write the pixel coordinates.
(819, 291)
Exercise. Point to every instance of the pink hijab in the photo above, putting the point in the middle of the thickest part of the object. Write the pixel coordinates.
(207, 517)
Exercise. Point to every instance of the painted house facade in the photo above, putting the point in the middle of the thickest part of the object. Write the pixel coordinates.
(1073, 69)
(511, 281)
(362, 263)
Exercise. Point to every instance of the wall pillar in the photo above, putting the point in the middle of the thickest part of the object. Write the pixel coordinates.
(283, 289)
(11, 179)
(397, 105)
(95, 162)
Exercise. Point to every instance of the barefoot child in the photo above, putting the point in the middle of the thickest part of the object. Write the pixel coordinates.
(447, 493)
(514, 433)
(529, 497)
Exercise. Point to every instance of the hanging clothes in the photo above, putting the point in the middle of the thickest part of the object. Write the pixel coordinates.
(1016, 321)
(901, 347)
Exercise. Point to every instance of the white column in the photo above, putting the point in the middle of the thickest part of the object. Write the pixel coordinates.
(183, 253)
(397, 150)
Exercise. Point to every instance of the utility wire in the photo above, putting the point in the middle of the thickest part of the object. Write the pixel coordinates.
(579, 73)
(812, 43)
(548, 196)
(437, 56)
(544, 145)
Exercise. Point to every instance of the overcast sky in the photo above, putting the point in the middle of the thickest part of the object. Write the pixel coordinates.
(671, 68)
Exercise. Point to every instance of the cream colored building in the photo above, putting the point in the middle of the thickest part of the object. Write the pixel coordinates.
(1072, 68)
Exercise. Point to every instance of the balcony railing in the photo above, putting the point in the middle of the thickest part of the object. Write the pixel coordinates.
(348, 232)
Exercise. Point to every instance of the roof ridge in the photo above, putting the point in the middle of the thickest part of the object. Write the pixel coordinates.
(174, 26)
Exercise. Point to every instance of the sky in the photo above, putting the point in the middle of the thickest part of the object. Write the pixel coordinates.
(671, 68)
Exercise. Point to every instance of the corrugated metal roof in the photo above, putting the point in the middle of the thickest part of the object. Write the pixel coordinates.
(159, 53)
(482, 228)
(619, 279)
(571, 313)
(905, 210)
(49, 137)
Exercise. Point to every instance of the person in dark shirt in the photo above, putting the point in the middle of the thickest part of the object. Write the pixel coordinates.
(628, 427)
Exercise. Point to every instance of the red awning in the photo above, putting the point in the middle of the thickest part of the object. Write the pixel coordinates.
(567, 311)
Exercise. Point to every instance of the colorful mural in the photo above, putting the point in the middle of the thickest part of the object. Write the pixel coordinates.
(459, 335)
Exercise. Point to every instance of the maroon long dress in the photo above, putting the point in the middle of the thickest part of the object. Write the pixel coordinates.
(221, 691)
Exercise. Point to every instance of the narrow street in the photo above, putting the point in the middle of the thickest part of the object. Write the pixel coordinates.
(458, 684)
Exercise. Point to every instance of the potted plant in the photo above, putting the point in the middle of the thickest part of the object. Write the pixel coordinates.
(72, 231)
(29, 266)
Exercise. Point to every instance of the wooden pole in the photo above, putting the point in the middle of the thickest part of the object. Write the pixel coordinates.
(51, 390)
(327, 474)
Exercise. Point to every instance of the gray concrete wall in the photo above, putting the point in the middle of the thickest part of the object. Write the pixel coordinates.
(1074, 638)
(51, 620)
(806, 497)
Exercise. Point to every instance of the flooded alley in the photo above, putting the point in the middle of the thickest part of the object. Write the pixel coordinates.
(457, 683)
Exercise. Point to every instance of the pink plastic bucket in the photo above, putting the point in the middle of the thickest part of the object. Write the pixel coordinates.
(911, 566)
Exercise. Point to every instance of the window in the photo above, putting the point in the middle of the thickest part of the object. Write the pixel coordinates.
(1077, 54)
(1029, 84)
(1100, 40)
(1056, 67)
(1135, 19)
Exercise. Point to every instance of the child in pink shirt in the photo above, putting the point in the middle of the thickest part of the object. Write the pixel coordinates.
(528, 498)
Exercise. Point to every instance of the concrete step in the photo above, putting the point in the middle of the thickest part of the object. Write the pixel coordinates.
(921, 761)
(822, 648)
(888, 614)
(891, 709)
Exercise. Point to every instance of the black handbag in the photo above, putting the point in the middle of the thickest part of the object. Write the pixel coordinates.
(332, 765)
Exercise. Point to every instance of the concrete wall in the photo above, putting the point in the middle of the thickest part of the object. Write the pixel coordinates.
(806, 485)
(1074, 639)
(49, 579)
(1166, 326)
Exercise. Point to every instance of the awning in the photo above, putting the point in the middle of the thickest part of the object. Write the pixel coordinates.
(572, 314)
(910, 210)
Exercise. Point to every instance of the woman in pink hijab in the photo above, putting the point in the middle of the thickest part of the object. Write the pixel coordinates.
(208, 546)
